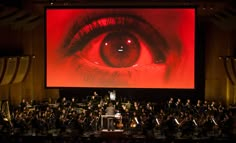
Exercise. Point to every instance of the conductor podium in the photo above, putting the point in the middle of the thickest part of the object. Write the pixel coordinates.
(109, 125)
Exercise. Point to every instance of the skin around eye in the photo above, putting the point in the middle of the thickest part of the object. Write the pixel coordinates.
(97, 76)
(76, 67)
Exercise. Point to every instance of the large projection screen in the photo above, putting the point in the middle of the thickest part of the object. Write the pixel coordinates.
(120, 47)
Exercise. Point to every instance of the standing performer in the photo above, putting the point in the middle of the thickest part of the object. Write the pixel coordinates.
(110, 110)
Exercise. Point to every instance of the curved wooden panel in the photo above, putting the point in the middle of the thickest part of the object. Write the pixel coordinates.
(22, 70)
(2, 66)
(33, 23)
(24, 21)
(233, 64)
(11, 18)
(7, 11)
(11, 66)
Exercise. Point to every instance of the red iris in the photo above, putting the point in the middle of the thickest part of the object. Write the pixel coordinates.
(120, 49)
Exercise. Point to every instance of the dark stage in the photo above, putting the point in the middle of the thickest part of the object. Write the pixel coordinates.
(105, 136)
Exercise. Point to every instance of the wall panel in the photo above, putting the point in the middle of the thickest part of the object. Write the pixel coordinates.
(23, 67)
(2, 67)
(217, 85)
(11, 67)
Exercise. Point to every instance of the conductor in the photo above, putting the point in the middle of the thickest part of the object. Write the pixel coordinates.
(110, 110)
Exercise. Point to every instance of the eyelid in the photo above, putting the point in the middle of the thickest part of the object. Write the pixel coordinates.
(89, 20)
(101, 24)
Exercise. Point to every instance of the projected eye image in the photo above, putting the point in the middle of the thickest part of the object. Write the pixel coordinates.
(121, 48)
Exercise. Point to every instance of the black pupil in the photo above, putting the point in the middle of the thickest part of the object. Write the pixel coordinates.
(120, 49)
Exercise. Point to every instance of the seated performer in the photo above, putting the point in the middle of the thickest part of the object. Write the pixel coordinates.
(110, 110)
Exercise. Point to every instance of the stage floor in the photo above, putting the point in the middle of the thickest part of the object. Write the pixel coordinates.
(105, 136)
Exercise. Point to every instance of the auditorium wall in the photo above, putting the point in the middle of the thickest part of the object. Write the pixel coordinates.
(220, 41)
(18, 42)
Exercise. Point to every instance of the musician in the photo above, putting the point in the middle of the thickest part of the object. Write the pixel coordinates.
(178, 104)
(206, 125)
(110, 110)
(73, 103)
(188, 104)
(170, 105)
(6, 124)
(213, 108)
(95, 95)
(135, 121)
(118, 105)
(148, 127)
(80, 124)
(92, 120)
(168, 127)
(95, 99)
(125, 116)
(199, 107)
(128, 105)
(149, 108)
(221, 108)
(205, 106)
(62, 123)
(187, 126)
(227, 124)
(63, 102)
(35, 124)
(213, 105)
(136, 106)
(23, 104)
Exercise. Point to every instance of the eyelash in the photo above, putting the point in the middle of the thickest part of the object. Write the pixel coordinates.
(76, 37)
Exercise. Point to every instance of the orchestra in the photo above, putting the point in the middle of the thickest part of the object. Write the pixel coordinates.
(176, 116)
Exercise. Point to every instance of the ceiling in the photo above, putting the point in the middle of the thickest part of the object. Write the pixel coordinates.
(29, 13)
